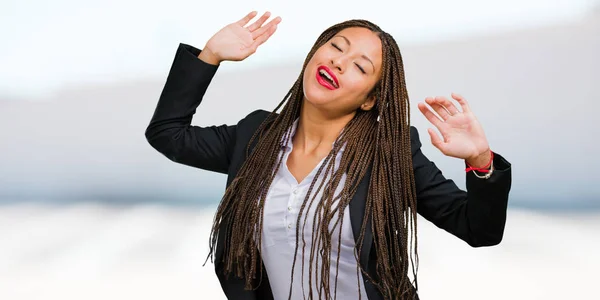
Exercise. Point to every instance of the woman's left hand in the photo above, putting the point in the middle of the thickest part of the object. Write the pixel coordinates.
(462, 135)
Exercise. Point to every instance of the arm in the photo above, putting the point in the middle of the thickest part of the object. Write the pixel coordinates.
(170, 131)
(477, 215)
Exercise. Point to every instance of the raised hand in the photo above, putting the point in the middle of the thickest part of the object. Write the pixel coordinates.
(462, 135)
(236, 41)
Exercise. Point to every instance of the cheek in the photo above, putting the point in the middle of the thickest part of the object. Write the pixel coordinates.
(311, 89)
(306, 81)
(359, 88)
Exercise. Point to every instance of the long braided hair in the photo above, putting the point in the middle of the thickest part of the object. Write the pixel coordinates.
(379, 138)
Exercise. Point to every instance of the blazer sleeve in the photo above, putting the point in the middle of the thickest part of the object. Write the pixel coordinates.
(170, 131)
(477, 215)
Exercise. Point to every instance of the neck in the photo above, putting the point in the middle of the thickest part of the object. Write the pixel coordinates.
(317, 131)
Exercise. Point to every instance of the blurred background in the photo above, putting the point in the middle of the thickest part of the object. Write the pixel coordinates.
(89, 210)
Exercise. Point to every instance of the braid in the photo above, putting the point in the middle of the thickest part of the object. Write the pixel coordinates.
(379, 138)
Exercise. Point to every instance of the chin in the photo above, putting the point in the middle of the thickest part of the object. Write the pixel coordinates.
(315, 97)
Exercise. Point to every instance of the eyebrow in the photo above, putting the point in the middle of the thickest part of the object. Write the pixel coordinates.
(363, 56)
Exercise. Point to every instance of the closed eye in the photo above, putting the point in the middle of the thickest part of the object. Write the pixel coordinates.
(336, 47)
(361, 69)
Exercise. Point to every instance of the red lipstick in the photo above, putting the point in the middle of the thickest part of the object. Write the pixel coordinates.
(328, 80)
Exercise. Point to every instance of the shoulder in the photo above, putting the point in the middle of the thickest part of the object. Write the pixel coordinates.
(249, 124)
(415, 142)
(256, 117)
(252, 121)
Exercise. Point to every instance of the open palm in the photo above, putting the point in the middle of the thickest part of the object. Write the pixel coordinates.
(236, 42)
(462, 134)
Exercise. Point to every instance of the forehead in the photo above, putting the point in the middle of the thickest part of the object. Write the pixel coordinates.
(363, 40)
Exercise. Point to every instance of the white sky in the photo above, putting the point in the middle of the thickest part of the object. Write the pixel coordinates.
(49, 44)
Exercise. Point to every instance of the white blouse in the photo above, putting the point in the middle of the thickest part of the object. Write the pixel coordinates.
(281, 210)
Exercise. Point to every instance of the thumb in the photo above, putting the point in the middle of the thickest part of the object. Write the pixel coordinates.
(436, 141)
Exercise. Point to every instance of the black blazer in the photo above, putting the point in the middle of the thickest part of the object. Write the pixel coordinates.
(477, 216)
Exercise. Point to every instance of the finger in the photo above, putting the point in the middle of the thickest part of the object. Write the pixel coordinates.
(435, 120)
(441, 111)
(447, 104)
(462, 101)
(438, 107)
(436, 141)
(259, 22)
(265, 28)
(261, 39)
(247, 18)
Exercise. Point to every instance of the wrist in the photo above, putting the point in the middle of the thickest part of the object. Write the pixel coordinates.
(209, 57)
(483, 160)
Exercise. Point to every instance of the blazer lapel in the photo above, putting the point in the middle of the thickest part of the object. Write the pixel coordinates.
(357, 213)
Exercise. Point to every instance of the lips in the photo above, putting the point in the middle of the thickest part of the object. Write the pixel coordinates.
(326, 78)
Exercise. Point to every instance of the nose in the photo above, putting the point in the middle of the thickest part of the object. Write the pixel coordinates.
(338, 63)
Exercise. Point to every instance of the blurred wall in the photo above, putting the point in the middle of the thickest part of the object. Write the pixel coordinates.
(534, 90)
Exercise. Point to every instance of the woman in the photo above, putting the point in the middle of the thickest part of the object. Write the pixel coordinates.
(321, 198)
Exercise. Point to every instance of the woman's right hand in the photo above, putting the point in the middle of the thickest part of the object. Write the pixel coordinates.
(235, 42)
